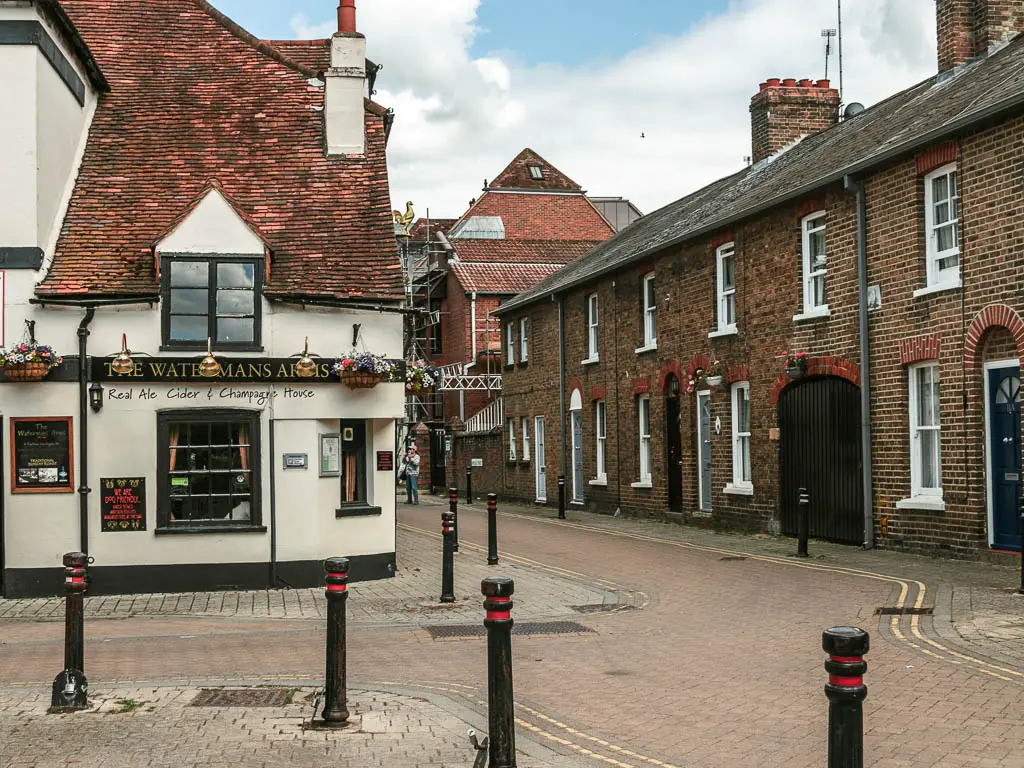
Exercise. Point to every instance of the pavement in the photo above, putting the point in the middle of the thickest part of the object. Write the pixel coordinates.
(672, 646)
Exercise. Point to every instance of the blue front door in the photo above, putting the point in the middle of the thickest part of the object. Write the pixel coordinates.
(1004, 455)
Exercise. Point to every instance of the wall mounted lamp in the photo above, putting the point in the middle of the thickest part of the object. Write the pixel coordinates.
(96, 397)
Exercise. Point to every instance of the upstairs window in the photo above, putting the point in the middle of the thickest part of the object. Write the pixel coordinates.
(815, 264)
(726, 281)
(524, 340)
(592, 353)
(649, 317)
(536, 173)
(942, 227)
(510, 344)
(215, 297)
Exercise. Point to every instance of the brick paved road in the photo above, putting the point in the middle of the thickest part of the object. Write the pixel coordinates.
(721, 668)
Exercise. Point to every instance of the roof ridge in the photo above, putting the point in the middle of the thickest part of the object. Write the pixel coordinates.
(250, 39)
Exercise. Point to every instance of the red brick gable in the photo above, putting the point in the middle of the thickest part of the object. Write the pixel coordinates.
(522, 251)
(194, 99)
(517, 175)
(544, 217)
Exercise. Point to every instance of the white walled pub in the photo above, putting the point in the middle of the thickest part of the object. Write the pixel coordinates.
(182, 206)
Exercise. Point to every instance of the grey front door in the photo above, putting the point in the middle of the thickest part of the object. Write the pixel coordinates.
(577, 456)
(704, 449)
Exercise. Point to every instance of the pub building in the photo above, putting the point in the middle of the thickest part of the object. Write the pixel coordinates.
(199, 223)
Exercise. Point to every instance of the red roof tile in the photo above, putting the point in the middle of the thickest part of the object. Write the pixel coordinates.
(314, 55)
(502, 278)
(194, 100)
(517, 175)
(522, 251)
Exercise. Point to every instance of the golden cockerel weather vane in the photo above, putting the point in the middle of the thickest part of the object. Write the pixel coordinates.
(404, 219)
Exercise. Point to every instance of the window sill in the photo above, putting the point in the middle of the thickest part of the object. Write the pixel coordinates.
(814, 314)
(739, 490)
(511, 462)
(524, 364)
(652, 347)
(593, 360)
(510, 367)
(928, 503)
(599, 481)
(643, 484)
(522, 462)
(939, 288)
(357, 511)
(186, 530)
(723, 332)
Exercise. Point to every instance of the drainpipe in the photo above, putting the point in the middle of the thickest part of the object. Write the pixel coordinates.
(273, 505)
(472, 328)
(561, 374)
(857, 188)
(83, 428)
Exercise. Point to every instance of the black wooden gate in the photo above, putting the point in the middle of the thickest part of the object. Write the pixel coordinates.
(821, 451)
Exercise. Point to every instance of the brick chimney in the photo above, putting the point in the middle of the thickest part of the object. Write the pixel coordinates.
(966, 28)
(346, 85)
(784, 110)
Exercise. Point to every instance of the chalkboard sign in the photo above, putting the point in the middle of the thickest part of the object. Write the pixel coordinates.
(123, 504)
(41, 456)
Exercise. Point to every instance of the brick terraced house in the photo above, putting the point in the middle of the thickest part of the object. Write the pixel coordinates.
(893, 236)
(211, 201)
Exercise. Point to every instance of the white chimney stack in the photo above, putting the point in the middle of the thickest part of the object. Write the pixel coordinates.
(346, 84)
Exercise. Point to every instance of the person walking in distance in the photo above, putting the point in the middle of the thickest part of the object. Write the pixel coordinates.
(412, 475)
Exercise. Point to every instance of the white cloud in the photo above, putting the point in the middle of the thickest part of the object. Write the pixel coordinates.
(461, 120)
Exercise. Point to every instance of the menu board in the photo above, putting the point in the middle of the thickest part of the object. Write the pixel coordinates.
(123, 504)
(41, 457)
(385, 461)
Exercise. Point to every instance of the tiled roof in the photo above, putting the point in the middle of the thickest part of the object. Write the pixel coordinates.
(517, 175)
(522, 251)
(537, 216)
(194, 100)
(314, 55)
(501, 278)
(899, 126)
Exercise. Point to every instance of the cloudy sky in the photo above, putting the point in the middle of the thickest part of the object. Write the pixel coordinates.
(646, 98)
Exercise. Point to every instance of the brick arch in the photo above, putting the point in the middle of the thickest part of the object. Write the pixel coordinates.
(819, 366)
(991, 316)
(575, 383)
(670, 367)
(697, 361)
(737, 373)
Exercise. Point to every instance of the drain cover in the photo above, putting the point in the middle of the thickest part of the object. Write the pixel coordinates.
(242, 697)
(732, 558)
(601, 608)
(530, 628)
(904, 611)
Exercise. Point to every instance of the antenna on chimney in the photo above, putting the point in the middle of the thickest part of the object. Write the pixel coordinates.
(828, 34)
(840, 7)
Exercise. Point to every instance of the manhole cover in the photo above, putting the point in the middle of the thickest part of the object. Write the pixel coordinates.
(903, 611)
(601, 608)
(530, 628)
(242, 697)
(732, 558)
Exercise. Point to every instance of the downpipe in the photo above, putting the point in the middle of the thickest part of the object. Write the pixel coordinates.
(83, 428)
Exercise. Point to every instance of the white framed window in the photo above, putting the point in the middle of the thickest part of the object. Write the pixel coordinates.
(600, 434)
(942, 227)
(510, 343)
(592, 327)
(649, 317)
(725, 259)
(741, 475)
(524, 424)
(511, 439)
(815, 264)
(536, 173)
(524, 339)
(925, 431)
(643, 406)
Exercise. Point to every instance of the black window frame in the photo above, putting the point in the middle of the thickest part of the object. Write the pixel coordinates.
(212, 260)
(199, 416)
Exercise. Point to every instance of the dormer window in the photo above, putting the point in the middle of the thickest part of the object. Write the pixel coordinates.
(216, 297)
(536, 173)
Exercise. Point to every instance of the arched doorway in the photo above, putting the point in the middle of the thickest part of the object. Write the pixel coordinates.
(576, 428)
(820, 450)
(674, 443)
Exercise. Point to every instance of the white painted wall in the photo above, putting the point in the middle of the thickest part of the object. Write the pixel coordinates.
(213, 226)
(344, 111)
(18, 153)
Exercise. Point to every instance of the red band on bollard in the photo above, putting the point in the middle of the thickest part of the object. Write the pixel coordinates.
(491, 614)
(336, 588)
(75, 580)
(846, 682)
(847, 659)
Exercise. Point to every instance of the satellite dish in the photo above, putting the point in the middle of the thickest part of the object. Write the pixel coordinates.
(853, 110)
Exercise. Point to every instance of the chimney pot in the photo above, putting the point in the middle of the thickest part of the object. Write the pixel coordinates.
(805, 83)
(347, 16)
(823, 84)
(773, 82)
(789, 82)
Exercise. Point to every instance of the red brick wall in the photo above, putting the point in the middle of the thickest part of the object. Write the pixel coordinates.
(966, 28)
(769, 295)
(544, 217)
(781, 114)
(486, 479)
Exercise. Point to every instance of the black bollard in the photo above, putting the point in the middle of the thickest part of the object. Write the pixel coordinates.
(448, 557)
(561, 497)
(469, 485)
(846, 692)
(453, 508)
(70, 687)
(335, 690)
(492, 529)
(501, 716)
(803, 522)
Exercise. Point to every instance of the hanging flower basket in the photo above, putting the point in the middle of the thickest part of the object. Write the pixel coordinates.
(419, 377)
(796, 372)
(364, 370)
(714, 381)
(359, 379)
(709, 378)
(796, 365)
(28, 361)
